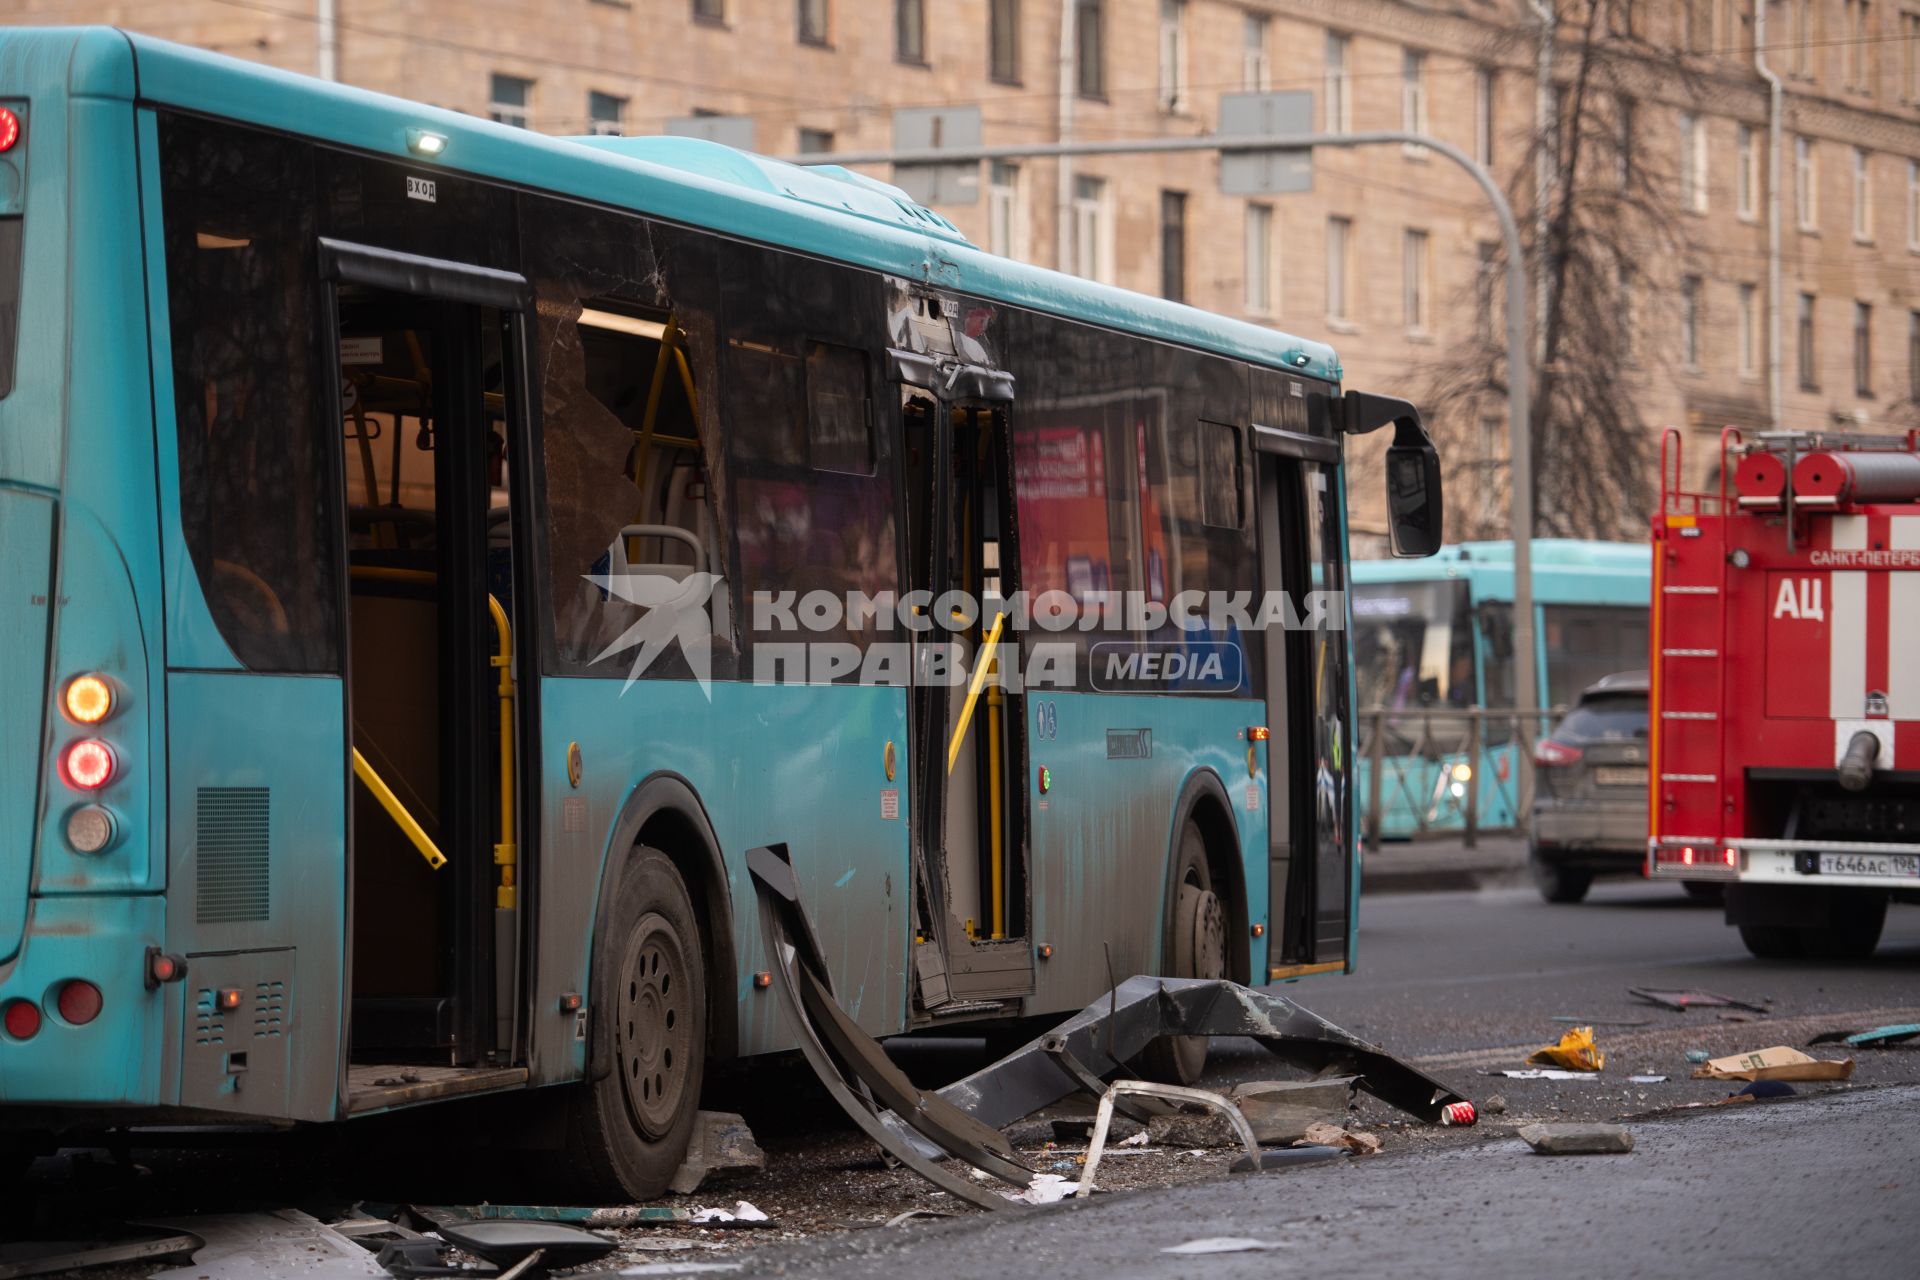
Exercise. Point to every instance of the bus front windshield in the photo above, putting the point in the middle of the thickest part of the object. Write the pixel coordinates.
(1413, 645)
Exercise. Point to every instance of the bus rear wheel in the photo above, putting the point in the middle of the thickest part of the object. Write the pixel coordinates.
(1196, 942)
(631, 1126)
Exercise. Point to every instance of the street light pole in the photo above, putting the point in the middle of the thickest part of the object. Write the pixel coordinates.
(1519, 370)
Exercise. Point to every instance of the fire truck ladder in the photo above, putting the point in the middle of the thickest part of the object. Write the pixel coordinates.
(1688, 673)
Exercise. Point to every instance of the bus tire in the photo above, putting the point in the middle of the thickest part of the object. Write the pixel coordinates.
(1557, 882)
(1196, 941)
(630, 1128)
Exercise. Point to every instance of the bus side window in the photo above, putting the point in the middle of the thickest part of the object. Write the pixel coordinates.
(256, 489)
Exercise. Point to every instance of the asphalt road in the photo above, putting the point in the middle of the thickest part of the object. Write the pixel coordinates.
(1466, 983)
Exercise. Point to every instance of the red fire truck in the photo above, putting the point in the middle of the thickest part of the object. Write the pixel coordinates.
(1785, 692)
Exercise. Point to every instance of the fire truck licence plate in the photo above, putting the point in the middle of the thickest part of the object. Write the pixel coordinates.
(1870, 864)
(1620, 777)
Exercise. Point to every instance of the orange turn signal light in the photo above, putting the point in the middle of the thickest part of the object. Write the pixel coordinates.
(1258, 733)
(89, 699)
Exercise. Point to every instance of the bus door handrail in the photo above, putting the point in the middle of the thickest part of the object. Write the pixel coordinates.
(506, 853)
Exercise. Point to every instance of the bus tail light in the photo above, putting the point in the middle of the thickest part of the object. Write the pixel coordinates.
(88, 764)
(22, 1020)
(9, 128)
(1552, 754)
(90, 828)
(162, 967)
(79, 1002)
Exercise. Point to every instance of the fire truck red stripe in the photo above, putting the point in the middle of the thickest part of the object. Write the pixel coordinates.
(1903, 623)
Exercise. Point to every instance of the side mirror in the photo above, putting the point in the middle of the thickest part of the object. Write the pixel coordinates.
(1416, 510)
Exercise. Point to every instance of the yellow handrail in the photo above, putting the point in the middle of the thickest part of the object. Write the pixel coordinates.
(506, 854)
(397, 811)
(984, 661)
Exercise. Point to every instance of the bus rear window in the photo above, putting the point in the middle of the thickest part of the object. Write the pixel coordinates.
(255, 495)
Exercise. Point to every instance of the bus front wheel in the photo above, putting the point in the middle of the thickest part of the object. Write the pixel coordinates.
(632, 1124)
(1196, 942)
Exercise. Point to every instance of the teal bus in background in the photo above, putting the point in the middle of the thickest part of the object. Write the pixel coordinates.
(1436, 636)
(348, 766)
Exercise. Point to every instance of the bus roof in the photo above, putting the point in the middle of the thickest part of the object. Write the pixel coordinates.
(827, 211)
(1565, 570)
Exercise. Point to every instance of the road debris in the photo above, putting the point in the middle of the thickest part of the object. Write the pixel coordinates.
(1496, 1105)
(743, 1213)
(1646, 1079)
(1542, 1073)
(510, 1245)
(900, 1219)
(1139, 1139)
(1103, 1119)
(722, 1144)
(595, 1217)
(1333, 1135)
(1225, 1244)
(45, 1257)
(1777, 1063)
(1681, 1001)
(1697, 1056)
(1577, 1139)
(1576, 1051)
(1046, 1188)
(1281, 1111)
(265, 1246)
(1878, 1038)
(678, 1268)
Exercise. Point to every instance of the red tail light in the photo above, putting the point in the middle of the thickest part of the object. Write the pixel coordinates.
(23, 1020)
(9, 129)
(88, 764)
(79, 1002)
(1550, 753)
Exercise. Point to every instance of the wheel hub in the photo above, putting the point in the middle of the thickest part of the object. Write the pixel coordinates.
(653, 1027)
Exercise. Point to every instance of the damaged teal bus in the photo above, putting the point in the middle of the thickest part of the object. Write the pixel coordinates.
(435, 554)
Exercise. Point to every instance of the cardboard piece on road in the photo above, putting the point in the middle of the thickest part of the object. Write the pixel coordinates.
(1777, 1063)
(1576, 1051)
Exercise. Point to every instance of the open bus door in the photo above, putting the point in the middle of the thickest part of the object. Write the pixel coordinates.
(1309, 851)
(967, 760)
(434, 423)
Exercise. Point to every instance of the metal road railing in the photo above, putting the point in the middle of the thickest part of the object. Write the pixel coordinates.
(1445, 771)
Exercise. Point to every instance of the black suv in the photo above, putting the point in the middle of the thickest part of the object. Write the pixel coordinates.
(1590, 790)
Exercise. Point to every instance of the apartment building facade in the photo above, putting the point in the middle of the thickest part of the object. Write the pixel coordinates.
(1386, 256)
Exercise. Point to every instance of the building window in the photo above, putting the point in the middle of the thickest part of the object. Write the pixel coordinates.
(1807, 351)
(1004, 225)
(1339, 109)
(1862, 349)
(1862, 195)
(1696, 26)
(1415, 265)
(812, 19)
(1483, 115)
(1690, 321)
(1913, 205)
(1339, 268)
(1909, 56)
(1173, 55)
(508, 99)
(1626, 297)
(1259, 264)
(1256, 71)
(1003, 41)
(1856, 50)
(910, 31)
(606, 114)
(1173, 245)
(1913, 355)
(814, 142)
(710, 10)
(1749, 335)
(1487, 279)
(1413, 94)
(1623, 143)
(1749, 172)
(1800, 35)
(1092, 229)
(1806, 185)
(1090, 48)
(1693, 162)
